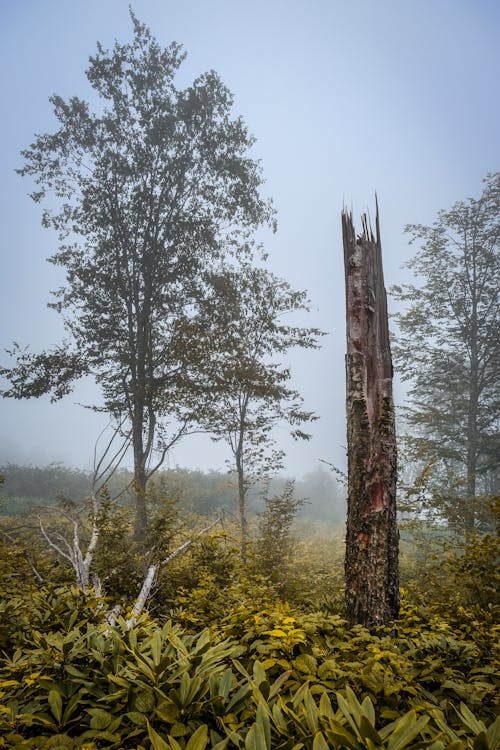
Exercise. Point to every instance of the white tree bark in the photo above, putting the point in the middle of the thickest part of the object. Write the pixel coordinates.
(153, 570)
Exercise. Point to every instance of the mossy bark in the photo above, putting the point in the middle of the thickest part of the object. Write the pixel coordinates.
(372, 539)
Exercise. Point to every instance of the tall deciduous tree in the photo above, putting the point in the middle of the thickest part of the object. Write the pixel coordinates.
(252, 392)
(448, 350)
(145, 193)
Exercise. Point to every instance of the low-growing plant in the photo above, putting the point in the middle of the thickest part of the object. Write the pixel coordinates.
(222, 661)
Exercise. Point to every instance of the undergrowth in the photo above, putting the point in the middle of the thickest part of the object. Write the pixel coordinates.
(267, 676)
(229, 657)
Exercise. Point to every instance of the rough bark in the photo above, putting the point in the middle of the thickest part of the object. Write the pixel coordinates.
(372, 539)
(141, 455)
(141, 517)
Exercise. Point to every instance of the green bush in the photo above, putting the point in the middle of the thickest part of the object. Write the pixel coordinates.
(223, 662)
(267, 677)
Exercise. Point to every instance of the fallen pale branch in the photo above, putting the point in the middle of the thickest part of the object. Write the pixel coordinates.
(153, 570)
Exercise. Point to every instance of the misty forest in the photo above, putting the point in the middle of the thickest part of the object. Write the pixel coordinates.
(144, 606)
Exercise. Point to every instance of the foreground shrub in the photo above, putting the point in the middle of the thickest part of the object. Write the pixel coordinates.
(269, 678)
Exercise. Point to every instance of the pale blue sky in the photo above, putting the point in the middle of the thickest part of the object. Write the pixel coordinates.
(345, 98)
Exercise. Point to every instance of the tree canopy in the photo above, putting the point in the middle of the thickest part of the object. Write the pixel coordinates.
(251, 389)
(447, 349)
(146, 192)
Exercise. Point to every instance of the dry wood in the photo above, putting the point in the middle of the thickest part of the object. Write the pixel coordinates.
(371, 563)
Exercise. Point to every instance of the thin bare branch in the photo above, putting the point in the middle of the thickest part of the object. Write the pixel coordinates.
(53, 544)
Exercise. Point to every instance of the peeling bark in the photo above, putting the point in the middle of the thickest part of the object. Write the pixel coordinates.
(372, 539)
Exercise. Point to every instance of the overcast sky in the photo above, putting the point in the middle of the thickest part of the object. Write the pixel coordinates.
(344, 98)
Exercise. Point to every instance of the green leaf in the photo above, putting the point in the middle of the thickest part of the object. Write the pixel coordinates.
(136, 717)
(156, 741)
(225, 683)
(405, 730)
(278, 684)
(184, 688)
(74, 672)
(279, 717)
(367, 731)
(262, 718)
(346, 709)
(156, 647)
(72, 705)
(145, 668)
(319, 742)
(132, 637)
(340, 736)
(144, 701)
(368, 711)
(306, 664)
(99, 719)
(311, 712)
(440, 720)
(168, 711)
(222, 744)
(199, 739)
(119, 680)
(493, 733)
(470, 720)
(55, 703)
(325, 707)
(259, 673)
(179, 729)
(298, 698)
(238, 696)
(255, 738)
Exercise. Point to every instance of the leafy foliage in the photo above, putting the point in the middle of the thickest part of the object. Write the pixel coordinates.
(288, 681)
(275, 543)
(447, 348)
(252, 392)
(147, 194)
(459, 576)
(227, 663)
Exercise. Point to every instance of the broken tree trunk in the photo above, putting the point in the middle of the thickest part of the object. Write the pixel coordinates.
(372, 539)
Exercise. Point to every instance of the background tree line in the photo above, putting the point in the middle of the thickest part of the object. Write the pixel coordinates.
(195, 491)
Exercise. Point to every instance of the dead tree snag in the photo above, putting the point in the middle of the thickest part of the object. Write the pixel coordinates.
(371, 562)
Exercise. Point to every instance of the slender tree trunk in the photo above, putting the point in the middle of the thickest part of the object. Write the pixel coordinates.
(140, 481)
(141, 516)
(470, 510)
(139, 399)
(238, 452)
(372, 540)
(242, 506)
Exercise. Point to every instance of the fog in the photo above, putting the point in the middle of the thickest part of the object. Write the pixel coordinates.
(343, 98)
